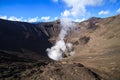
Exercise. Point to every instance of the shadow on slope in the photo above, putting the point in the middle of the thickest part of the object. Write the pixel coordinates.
(17, 36)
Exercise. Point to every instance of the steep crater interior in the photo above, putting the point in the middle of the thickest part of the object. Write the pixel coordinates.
(23, 53)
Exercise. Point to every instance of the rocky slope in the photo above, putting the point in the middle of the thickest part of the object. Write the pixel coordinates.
(99, 48)
(96, 43)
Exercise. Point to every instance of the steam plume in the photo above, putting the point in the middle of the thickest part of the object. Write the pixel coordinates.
(58, 50)
(76, 8)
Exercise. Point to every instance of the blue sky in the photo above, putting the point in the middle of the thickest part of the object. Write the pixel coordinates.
(48, 10)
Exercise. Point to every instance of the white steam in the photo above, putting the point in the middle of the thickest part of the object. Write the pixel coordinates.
(75, 8)
(59, 49)
(70, 48)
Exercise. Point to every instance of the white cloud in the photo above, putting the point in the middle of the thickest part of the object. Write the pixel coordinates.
(45, 18)
(103, 12)
(35, 19)
(118, 10)
(3, 17)
(79, 20)
(66, 13)
(78, 7)
(55, 18)
(55, 0)
(13, 18)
